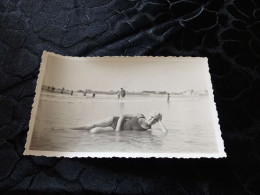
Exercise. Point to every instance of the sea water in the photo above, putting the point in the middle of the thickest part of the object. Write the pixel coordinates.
(187, 119)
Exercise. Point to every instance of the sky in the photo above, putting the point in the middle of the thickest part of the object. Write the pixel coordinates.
(169, 74)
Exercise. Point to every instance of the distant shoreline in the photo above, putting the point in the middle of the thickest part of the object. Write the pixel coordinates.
(114, 96)
(64, 91)
(102, 98)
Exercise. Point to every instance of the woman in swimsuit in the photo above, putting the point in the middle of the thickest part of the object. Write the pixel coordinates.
(136, 122)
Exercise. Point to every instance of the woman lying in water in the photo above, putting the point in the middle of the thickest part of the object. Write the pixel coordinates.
(136, 122)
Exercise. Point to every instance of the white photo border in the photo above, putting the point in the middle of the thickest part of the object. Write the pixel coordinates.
(220, 143)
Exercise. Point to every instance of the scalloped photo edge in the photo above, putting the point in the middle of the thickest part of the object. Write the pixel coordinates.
(40, 150)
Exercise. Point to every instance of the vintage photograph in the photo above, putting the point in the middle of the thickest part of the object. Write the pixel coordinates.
(124, 107)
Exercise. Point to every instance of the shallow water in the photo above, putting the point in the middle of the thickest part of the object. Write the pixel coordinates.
(188, 120)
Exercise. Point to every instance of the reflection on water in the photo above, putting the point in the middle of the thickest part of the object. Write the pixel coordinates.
(188, 121)
(122, 106)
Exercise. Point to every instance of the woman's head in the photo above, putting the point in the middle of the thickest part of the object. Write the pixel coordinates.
(154, 118)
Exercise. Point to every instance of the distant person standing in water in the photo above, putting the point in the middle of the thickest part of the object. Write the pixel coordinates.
(94, 95)
(122, 93)
(118, 94)
(168, 97)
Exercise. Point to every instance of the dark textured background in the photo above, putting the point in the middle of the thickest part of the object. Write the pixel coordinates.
(227, 32)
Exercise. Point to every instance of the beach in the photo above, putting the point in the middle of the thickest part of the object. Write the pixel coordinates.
(188, 120)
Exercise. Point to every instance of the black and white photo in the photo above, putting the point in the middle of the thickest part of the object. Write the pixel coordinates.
(124, 107)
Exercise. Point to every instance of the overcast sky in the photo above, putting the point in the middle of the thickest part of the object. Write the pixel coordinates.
(133, 74)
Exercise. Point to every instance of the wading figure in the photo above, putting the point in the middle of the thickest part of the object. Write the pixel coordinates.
(136, 122)
(122, 93)
(168, 98)
(118, 95)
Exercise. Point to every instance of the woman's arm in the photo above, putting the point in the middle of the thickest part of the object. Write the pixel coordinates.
(164, 130)
(125, 116)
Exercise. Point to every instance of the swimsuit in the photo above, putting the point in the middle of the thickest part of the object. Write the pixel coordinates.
(128, 124)
(123, 93)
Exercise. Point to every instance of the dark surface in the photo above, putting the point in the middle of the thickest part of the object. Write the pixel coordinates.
(227, 32)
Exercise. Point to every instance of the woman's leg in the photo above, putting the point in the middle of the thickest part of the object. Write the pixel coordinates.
(102, 123)
(101, 129)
